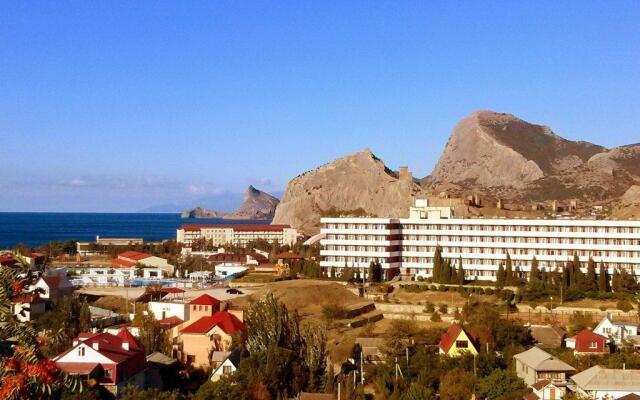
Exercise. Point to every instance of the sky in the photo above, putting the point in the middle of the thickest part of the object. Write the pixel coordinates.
(120, 106)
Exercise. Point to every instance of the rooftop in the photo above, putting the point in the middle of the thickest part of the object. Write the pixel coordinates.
(226, 321)
(599, 378)
(540, 360)
(235, 227)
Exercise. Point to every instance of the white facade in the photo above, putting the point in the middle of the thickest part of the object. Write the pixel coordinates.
(617, 331)
(227, 367)
(409, 244)
(112, 276)
(166, 309)
(236, 234)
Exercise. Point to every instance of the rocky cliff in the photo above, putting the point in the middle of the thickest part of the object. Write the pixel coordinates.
(507, 157)
(359, 184)
(256, 205)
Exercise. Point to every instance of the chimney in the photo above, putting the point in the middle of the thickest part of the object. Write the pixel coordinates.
(125, 345)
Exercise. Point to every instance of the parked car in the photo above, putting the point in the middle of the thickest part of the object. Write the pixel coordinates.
(234, 291)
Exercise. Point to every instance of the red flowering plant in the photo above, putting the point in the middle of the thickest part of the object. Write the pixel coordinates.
(25, 373)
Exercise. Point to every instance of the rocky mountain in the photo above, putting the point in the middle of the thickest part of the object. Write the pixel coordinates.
(358, 184)
(256, 205)
(504, 156)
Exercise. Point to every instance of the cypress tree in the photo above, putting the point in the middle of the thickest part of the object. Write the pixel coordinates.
(615, 281)
(534, 274)
(460, 272)
(602, 279)
(437, 265)
(446, 272)
(578, 276)
(591, 281)
(500, 277)
(508, 274)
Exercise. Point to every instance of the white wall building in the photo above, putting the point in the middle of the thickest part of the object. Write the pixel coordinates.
(236, 234)
(169, 308)
(616, 331)
(602, 384)
(113, 276)
(408, 245)
(227, 270)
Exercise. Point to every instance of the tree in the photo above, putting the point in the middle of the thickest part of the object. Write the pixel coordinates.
(603, 280)
(591, 281)
(457, 384)
(152, 336)
(375, 272)
(460, 275)
(27, 373)
(84, 318)
(501, 385)
(500, 277)
(508, 271)
(534, 274)
(437, 265)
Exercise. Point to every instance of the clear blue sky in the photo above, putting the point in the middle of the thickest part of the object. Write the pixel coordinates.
(117, 106)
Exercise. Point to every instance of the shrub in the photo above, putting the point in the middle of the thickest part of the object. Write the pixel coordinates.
(433, 288)
(624, 305)
(420, 278)
(488, 291)
(443, 308)
(435, 317)
(332, 312)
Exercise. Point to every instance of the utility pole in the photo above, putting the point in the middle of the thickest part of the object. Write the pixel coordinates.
(361, 367)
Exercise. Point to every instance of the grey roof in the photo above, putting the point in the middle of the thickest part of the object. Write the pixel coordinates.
(599, 378)
(220, 356)
(159, 358)
(547, 335)
(540, 360)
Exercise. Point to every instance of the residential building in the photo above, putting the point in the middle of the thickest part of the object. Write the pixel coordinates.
(113, 361)
(615, 331)
(130, 259)
(27, 307)
(535, 365)
(408, 245)
(587, 342)
(602, 383)
(100, 245)
(546, 390)
(198, 340)
(224, 363)
(456, 342)
(371, 349)
(203, 306)
(53, 285)
(168, 308)
(251, 259)
(236, 234)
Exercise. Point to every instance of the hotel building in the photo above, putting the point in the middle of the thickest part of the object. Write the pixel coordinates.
(236, 234)
(407, 245)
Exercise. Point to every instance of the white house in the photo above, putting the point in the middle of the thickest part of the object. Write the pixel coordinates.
(601, 383)
(224, 362)
(547, 390)
(617, 331)
(112, 276)
(163, 309)
(54, 285)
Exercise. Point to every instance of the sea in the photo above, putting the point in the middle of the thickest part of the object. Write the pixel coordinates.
(34, 229)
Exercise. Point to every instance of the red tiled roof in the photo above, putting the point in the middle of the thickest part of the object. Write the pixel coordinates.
(134, 255)
(449, 338)
(205, 300)
(110, 345)
(127, 337)
(116, 262)
(171, 321)
(540, 384)
(226, 321)
(172, 290)
(235, 227)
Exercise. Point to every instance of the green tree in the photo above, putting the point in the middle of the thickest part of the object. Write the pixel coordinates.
(460, 274)
(437, 265)
(603, 280)
(501, 385)
(84, 318)
(500, 277)
(457, 384)
(534, 274)
(509, 281)
(591, 280)
(152, 336)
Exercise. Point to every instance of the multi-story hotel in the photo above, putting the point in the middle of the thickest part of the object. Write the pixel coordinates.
(407, 245)
(236, 234)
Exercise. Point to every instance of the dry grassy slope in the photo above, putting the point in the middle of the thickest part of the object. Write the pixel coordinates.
(306, 296)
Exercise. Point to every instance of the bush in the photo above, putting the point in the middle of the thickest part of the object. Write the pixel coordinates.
(442, 288)
(488, 291)
(332, 312)
(429, 308)
(435, 317)
(420, 278)
(433, 288)
(443, 308)
(624, 305)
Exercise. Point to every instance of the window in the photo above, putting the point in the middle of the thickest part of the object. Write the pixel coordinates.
(462, 344)
(108, 373)
(81, 351)
(226, 369)
(593, 345)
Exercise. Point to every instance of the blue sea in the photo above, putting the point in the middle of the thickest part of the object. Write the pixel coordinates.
(34, 229)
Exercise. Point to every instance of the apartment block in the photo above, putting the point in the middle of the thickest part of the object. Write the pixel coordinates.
(236, 234)
(407, 246)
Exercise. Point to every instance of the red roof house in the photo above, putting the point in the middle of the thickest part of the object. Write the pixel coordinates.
(206, 335)
(589, 342)
(456, 341)
(114, 361)
(203, 306)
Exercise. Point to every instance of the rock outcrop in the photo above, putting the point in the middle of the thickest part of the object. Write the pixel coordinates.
(256, 205)
(359, 184)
